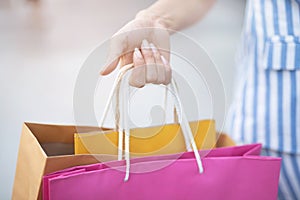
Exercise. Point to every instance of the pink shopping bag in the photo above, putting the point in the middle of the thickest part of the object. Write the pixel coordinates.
(233, 173)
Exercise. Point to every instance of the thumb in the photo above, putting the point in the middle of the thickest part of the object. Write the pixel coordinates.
(114, 54)
(110, 67)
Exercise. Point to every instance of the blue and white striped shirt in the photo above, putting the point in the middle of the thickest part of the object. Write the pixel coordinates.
(266, 107)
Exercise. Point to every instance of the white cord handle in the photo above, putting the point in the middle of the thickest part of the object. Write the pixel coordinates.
(116, 86)
(116, 91)
(124, 120)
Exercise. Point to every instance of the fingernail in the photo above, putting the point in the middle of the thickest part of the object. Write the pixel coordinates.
(145, 44)
(153, 48)
(164, 60)
(137, 53)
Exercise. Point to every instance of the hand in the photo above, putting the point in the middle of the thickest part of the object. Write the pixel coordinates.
(128, 38)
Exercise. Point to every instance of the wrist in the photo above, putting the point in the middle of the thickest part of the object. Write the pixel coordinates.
(157, 20)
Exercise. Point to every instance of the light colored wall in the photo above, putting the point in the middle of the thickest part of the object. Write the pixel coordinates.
(43, 46)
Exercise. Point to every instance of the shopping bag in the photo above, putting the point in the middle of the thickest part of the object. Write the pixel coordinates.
(44, 149)
(232, 173)
(167, 139)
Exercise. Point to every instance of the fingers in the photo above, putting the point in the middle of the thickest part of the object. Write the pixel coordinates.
(138, 75)
(149, 66)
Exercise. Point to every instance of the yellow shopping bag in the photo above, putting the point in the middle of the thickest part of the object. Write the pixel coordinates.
(157, 140)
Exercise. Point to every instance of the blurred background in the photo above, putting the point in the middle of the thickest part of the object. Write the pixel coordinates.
(44, 43)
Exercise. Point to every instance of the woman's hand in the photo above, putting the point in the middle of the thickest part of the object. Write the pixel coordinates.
(145, 43)
(152, 24)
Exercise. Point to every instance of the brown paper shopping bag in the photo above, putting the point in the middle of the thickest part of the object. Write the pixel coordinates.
(44, 149)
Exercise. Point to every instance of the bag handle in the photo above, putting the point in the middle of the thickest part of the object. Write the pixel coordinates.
(116, 91)
(123, 119)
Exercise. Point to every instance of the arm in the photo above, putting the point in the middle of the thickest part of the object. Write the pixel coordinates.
(176, 14)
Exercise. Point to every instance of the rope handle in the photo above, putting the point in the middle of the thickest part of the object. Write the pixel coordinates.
(116, 91)
(123, 118)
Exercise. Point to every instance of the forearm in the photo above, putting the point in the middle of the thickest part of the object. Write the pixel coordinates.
(176, 14)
